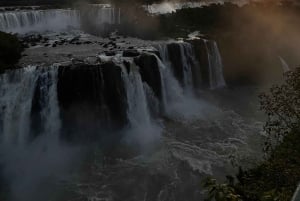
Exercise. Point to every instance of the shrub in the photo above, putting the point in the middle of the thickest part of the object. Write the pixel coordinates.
(282, 107)
(10, 51)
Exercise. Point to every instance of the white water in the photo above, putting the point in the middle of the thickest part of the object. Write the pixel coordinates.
(170, 7)
(216, 77)
(56, 20)
(28, 163)
(104, 14)
(186, 51)
(17, 91)
(284, 65)
(180, 102)
(39, 20)
(142, 130)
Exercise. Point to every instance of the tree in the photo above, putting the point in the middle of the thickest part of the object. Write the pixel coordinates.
(282, 107)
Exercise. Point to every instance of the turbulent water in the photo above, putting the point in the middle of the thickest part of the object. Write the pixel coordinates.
(170, 7)
(56, 19)
(173, 136)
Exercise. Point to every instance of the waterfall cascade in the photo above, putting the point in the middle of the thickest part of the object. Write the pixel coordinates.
(56, 19)
(118, 92)
(28, 94)
(215, 65)
(39, 20)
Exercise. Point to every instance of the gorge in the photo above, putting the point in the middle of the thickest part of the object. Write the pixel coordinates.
(93, 112)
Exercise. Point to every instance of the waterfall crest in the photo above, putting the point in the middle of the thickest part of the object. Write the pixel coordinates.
(115, 94)
(57, 19)
(39, 20)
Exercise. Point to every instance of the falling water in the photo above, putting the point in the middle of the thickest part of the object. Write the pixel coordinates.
(186, 52)
(284, 65)
(17, 90)
(142, 131)
(136, 99)
(39, 20)
(56, 19)
(216, 78)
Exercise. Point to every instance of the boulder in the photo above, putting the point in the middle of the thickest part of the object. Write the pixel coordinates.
(130, 53)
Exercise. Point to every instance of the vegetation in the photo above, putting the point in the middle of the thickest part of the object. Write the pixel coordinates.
(278, 176)
(11, 50)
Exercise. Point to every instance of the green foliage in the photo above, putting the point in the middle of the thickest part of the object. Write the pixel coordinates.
(277, 177)
(220, 192)
(11, 50)
(282, 106)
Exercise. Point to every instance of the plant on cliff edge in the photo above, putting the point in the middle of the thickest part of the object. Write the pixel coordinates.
(10, 50)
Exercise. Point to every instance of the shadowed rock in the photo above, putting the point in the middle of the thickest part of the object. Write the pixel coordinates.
(149, 71)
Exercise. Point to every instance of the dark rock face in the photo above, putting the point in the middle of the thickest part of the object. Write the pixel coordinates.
(150, 74)
(201, 55)
(91, 98)
(10, 51)
(130, 53)
(176, 60)
(115, 93)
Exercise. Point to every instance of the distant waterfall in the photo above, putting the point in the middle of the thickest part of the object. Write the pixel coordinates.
(57, 19)
(18, 89)
(284, 65)
(39, 20)
(103, 14)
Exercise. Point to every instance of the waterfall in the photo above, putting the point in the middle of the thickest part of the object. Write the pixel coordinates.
(142, 131)
(216, 78)
(284, 65)
(186, 52)
(31, 99)
(17, 89)
(102, 14)
(178, 100)
(138, 112)
(57, 19)
(39, 20)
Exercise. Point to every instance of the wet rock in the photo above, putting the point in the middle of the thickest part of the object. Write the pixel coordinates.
(127, 66)
(74, 40)
(130, 53)
(92, 60)
(176, 60)
(92, 98)
(76, 61)
(149, 70)
(110, 53)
